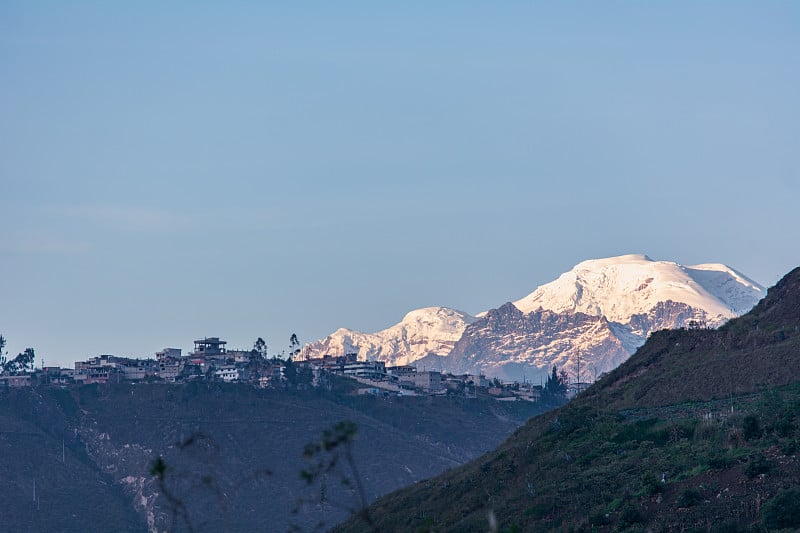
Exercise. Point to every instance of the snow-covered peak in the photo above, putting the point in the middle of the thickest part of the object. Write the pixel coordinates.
(731, 287)
(623, 286)
(435, 319)
(426, 331)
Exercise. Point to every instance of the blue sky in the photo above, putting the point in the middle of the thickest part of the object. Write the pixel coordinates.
(175, 170)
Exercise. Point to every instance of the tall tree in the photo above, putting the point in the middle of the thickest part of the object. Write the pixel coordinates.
(28, 357)
(294, 345)
(22, 362)
(555, 389)
(2, 354)
(260, 347)
(290, 372)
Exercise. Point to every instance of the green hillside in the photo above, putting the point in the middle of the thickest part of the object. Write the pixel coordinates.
(716, 413)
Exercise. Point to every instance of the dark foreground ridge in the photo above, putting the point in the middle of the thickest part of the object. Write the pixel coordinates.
(79, 459)
(698, 431)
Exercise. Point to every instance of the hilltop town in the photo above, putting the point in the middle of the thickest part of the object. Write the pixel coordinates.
(212, 361)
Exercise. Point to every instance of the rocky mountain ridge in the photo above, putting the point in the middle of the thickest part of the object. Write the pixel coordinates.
(588, 321)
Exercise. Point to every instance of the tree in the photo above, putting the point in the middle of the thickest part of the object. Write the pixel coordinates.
(782, 511)
(290, 372)
(30, 356)
(260, 348)
(555, 389)
(2, 354)
(294, 346)
(22, 362)
(751, 429)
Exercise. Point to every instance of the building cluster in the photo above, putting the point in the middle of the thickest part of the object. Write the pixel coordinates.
(378, 379)
(211, 360)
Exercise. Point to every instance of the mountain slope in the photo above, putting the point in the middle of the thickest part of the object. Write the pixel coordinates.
(110, 435)
(702, 365)
(714, 413)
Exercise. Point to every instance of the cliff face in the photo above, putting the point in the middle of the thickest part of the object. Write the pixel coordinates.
(513, 345)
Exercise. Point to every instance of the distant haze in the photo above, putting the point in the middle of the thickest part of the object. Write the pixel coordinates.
(173, 171)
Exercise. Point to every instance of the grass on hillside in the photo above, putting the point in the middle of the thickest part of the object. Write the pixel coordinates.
(588, 469)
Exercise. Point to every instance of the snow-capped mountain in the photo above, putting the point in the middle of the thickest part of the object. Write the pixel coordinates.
(587, 321)
(621, 287)
(427, 331)
(593, 317)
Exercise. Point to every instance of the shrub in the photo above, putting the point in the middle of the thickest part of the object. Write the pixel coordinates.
(614, 505)
(598, 519)
(756, 466)
(789, 448)
(720, 461)
(784, 427)
(681, 430)
(751, 429)
(650, 484)
(729, 526)
(538, 511)
(782, 511)
(707, 432)
(689, 498)
(630, 515)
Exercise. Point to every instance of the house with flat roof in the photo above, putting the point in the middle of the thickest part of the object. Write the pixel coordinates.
(210, 347)
(22, 380)
(429, 381)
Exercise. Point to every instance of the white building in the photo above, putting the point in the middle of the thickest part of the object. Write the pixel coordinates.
(227, 373)
(375, 370)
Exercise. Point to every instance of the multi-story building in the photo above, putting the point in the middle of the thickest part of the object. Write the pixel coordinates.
(134, 369)
(57, 376)
(429, 381)
(375, 370)
(399, 373)
(228, 373)
(102, 368)
(22, 380)
(168, 352)
(210, 348)
(169, 368)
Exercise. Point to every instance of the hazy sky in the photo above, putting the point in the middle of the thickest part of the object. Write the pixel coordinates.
(173, 170)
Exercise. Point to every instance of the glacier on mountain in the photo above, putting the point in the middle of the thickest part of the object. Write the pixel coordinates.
(620, 287)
